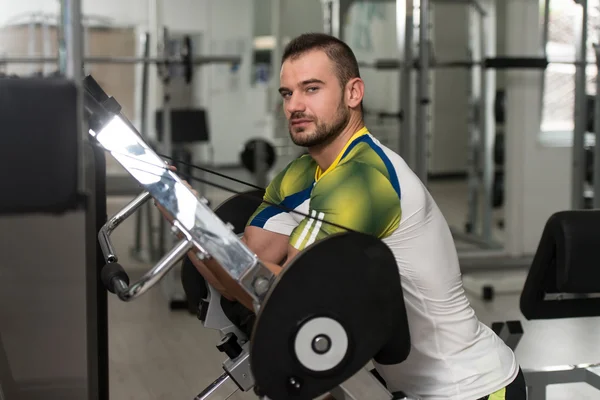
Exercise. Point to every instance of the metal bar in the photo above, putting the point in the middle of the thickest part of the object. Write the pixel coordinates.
(363, 385)
(545, 27)
(144, 132)
(405, 9)
(166, 143)
(577, 199)
(487, 130)
(422, 142)
(276, 54)
(474, 96)
(596, 177)
(128, 60)
(46, 43)
(32, 41)
(71, 66)
(212, 387)
(104, 234)
(161, 268)
(327, 16)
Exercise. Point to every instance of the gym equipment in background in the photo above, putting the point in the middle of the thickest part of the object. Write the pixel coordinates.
(258, 157)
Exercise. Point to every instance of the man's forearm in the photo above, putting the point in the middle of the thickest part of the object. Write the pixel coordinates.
(231, 286)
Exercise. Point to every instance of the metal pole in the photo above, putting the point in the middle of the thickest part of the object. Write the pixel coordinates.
(474, 96)
(145, 39)
(545, 28)
(580, 126)
(405, 9)
(126, 60)
(167, 144)
(276, 17)
(423, 93)
(71, 66)
(327, 16)
(597, 133)
(486, 127)
(331, 17)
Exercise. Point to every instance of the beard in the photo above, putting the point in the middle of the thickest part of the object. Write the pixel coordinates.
(323, 133)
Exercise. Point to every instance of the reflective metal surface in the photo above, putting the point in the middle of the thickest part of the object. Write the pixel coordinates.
(157, 273)
(212, 387)
(109, 227)
(194, 217)
(363, 385)
(239, 369)
(538, 379)
(216, 318)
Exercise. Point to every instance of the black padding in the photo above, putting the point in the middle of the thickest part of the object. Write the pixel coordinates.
(566, 261)
(187, 125)
(350, 277)
(387, 63)
(238, 209)
(111, 273)
(500, 107)
(516, 63)
(38, 145)
(194, 285)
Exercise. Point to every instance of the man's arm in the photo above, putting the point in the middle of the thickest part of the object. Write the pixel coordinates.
(355, 196)
(270, 248)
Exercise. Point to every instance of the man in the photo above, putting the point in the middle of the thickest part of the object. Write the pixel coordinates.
(349, 179)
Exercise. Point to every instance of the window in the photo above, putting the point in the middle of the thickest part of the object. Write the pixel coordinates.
(559, 80)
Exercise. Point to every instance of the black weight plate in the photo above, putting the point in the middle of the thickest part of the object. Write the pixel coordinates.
(248, 155)
(238, 209)
(350, 277)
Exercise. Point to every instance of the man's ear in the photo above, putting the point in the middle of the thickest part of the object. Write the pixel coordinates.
(355, 91)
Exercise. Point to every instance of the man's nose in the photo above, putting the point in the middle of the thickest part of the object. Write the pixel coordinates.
(295, 104)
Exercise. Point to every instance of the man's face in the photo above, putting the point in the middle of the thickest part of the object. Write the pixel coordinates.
(313, 99)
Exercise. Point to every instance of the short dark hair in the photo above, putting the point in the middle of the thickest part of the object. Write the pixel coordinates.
(340, 53)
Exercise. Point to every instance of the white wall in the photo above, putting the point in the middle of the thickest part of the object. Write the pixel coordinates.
(370, 31)
(297, 17)
(538, 177)
(449, 128)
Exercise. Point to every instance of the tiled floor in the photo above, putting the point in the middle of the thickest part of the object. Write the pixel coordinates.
(156, 353)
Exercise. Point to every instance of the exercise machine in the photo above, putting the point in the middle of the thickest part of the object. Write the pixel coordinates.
(563, 283)
(334, 335)
(53, 204)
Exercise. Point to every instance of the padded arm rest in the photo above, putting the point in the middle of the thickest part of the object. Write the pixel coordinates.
(566, 262)
(38, 146)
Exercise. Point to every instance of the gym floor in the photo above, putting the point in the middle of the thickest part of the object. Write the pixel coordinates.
(156, 353)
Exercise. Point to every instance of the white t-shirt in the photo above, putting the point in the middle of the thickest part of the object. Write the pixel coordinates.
(453, 355)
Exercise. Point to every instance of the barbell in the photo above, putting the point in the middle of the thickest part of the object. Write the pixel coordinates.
(187, 59)
(487, 63)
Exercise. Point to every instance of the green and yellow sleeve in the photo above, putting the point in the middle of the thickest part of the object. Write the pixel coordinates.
(355, 196)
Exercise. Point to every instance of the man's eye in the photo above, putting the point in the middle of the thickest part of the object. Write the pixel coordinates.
(312, 89)
(285, 94)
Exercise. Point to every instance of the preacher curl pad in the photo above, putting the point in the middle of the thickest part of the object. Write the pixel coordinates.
(335, 307)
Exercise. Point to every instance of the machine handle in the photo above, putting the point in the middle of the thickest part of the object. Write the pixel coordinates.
(115, 278)
(105, 232)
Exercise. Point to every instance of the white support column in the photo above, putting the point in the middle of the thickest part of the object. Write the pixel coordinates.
(522, 117)
(155, 24)
(276, 31)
